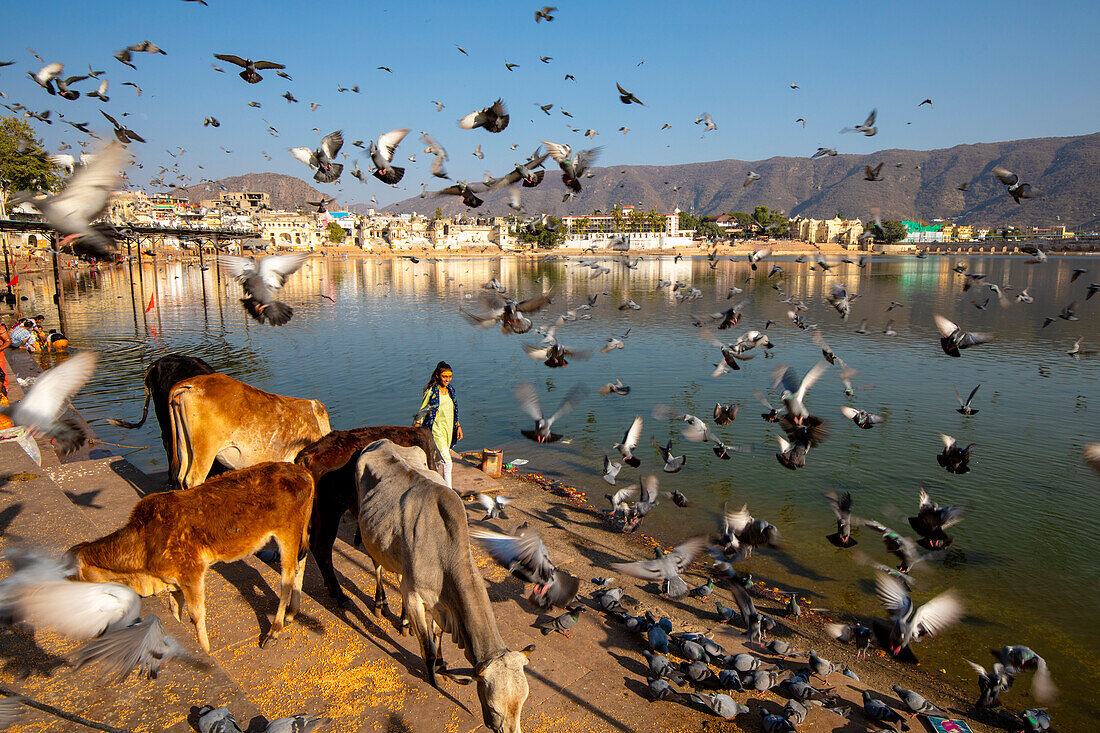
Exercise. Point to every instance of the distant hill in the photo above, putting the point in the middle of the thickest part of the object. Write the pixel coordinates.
(287, 192)
(918, 184)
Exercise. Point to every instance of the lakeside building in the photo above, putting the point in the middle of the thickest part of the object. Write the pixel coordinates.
(846, 232)
(643, 230)
(922, 233)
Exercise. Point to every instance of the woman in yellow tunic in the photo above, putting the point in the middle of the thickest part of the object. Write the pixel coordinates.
(439, 409)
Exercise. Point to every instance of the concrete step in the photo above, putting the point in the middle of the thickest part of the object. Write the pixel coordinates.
(104, 489)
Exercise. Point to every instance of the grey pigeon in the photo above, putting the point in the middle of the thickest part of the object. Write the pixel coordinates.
(249, 74)
(725, 615)
(493, 118)
(704, 590)
(777, 724)
(610, 470)
(721, 705)
(699, 673)
(494, 506)
(876, 709)
(609, 599)
(573, 166)
(729, 679)
(381, 155)
(261, 280)
(744, 662)
(630, 442)
(321, 159)
(1035, 719)
(217, 720)
(910, 623)
(991, 683)
(857, 634)
(1016, 188)
(916, 704)
(661, 667)
(563, 623)
(666, 568)
(658, 689)
(1017, 659)
(842, 508)
(672, 463)
(821, 667)
(953, 338)
(528, 399)
(867, 128)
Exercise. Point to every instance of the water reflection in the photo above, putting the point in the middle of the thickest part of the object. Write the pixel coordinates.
(1034, 529)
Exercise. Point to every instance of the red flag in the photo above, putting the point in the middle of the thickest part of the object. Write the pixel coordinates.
(151, 305)
(14, 281)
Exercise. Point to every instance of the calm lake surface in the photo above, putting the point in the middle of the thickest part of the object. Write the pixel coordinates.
(1025, 559)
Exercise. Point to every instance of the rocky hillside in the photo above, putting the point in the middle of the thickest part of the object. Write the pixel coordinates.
(917, 184)
(287, 192)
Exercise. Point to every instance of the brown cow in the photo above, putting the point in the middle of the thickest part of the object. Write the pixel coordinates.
(331, 460)
(172, 538)
(216, 417)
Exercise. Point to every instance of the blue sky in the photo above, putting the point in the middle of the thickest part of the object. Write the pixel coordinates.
(995, 71)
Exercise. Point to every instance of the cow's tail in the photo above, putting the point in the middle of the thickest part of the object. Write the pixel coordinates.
(144, 410)
(181, 455)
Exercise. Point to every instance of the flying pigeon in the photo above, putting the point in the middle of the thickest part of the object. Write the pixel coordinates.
(867, 128)
(249, 74)
(528, 399)
(493, 118)
(261, 280)
(382, 154)
(321, 159)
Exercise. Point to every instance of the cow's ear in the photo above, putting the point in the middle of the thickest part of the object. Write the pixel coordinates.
(527, 650)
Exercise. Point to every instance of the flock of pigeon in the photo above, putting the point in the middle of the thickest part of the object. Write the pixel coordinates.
(73, 213)
(705, 664)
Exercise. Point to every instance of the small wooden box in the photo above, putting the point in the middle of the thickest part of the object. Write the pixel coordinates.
(492, 461)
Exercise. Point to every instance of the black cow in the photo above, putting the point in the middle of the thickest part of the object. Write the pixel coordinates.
(332, 460)
(161, 376)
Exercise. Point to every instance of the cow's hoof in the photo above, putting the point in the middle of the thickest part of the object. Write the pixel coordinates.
(344, 602)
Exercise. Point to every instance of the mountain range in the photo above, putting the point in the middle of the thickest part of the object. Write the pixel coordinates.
(918, 184)
(287, 192)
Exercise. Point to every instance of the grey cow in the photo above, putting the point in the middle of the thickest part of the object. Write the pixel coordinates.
(414, 526)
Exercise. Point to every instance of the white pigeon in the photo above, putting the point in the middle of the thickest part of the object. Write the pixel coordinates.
(40, 408)
(85, 199)
(261, 280)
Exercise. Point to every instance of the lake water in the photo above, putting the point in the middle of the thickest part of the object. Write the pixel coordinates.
(1025, 559)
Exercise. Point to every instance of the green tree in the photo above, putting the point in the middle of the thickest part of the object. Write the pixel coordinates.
(656, 221)
(438, 214)
(890, 231)
(23, 162)
(617, 217)
(745, 221)
(688, 221)
(710, 230)
(543, 236)
(335, 232)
